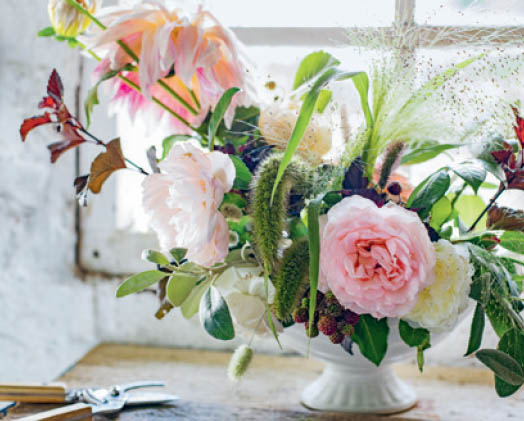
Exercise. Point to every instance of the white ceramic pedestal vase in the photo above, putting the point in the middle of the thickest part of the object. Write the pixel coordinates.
(351, 383)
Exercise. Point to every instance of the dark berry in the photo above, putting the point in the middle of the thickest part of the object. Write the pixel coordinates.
(327, 325)
(347, 330)
(336, 338)
(350, 317)
(314, 330)
(394, 188)
(334, 310)
(300, 315)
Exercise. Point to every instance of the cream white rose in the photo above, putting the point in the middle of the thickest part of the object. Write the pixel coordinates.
(439, 305)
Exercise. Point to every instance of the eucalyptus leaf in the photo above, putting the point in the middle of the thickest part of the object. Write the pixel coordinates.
(180, 286)
(155, 257)
(218, 114)
(139, 282)
(512, 343)
(243, 175)
(371, 336)
(504, 366)
(431, 191)
(215, 316)
(513, 241)
(477, 329)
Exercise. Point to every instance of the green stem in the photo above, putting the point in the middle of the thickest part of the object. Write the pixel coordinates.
(195, 99)
(133, 56)
(487, 208)
(158, 102)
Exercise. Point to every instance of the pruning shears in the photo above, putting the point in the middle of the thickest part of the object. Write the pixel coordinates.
(83, 403)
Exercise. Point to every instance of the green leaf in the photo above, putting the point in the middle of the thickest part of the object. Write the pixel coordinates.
(472, 173)
(155, 257)
(413, 336)
(191, 304)
(235, 199)
(431, 191)
(179, 287)
(313, 212)
(218, 114)
(503, 365)
(312, 65)
(513, 241)
(512, 343)
(297, 228)
(477, 329)
(169, 141)
(92, 95)
(425, 151)
(215, 316)
(361, 82)
(304, 116)
(47, 32)
(178, 254)
(243, 175)
(139, 282)
(440, 212)
(469, 208)
(485, 158)
(323, 100)
(371, 336)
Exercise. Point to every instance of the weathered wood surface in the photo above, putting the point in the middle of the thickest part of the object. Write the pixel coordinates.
(272, 388)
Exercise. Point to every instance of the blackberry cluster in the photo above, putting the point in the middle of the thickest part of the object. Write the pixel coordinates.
(331, 318)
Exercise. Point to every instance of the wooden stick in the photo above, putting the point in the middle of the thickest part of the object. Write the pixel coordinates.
(78, 411)
(32, 393)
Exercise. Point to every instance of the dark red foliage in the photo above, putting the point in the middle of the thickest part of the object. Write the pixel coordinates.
(519, 127)
(67, 125)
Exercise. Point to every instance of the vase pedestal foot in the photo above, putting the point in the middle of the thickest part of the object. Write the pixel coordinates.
(372, 390)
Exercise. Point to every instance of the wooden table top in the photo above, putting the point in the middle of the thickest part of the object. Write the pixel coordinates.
(272, 387)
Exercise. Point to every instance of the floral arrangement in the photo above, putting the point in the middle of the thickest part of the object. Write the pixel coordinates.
(259, 231)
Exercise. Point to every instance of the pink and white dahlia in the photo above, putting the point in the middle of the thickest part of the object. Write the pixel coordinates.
(195, 56)
(182, 202)
(375, 260)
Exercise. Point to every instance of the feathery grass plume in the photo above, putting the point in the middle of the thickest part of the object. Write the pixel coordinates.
(239, 363)
(391, 161)
(269, 222)
(292, 279)
(454, 96)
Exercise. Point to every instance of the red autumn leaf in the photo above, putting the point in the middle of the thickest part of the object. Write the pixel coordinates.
(516, 179)
(106, 164)
(32, 122)
(80, 183)
(503, 156)
(48, 102)
(519, 127)
(71, 140)
(55, 88)
(502, 218)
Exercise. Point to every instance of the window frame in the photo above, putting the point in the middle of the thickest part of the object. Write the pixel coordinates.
(104, 249)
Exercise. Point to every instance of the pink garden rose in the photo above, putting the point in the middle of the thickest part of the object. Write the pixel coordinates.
(375, 260)
(182, 202)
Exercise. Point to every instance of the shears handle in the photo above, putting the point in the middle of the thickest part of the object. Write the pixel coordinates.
(33, 393)
(78, 411)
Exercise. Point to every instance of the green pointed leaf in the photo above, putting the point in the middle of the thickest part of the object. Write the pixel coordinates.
(425, 151)
(323, 100)
(371, 336)
(178, 254)
(513, 241)
(413, 336)
(169, 141)
(179, 287)
(47, 32)
(218, 114)
(512, 343)
(440, 212)
(155, 257)
(472, 173)
(361, 82)
(313, 212)
(477, 329)
(191, 304)
(503, 365)
(139, 282)
(431, 190)
(215, 316)
(312, 65)
(469, 208)
(243, 175)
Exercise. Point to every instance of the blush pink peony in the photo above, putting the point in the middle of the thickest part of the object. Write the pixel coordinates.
(375, 260)
(182, 202)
